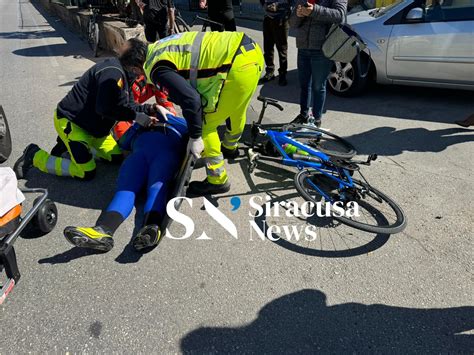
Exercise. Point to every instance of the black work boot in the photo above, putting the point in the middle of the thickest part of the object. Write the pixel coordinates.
(147, 237)
(25, 161)
(269, 76)
(300, 119)
(59, 149)
(229, 153)
(282, 79)
(203, 188)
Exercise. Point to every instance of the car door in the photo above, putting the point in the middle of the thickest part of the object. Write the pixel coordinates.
(439, 47)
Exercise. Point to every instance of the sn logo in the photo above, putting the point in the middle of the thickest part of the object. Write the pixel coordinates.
(211, 210)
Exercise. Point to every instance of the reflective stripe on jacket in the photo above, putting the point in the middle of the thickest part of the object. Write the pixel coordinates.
(203, 59)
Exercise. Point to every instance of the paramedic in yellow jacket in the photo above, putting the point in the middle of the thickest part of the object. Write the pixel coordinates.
(212, 76)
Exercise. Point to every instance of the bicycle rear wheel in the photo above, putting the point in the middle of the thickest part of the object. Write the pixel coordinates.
(322, 140)
(180, 25)
(93, 36)
(378, 213)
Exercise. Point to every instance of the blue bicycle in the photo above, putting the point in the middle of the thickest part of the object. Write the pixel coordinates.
(325, 173)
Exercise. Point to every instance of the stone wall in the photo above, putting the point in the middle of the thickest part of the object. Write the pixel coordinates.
(112, 33)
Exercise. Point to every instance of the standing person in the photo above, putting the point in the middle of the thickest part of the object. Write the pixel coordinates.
(212, 76)
(83, 120)
(157, 14)
(312, 21)
(220, 11)
(275, 32)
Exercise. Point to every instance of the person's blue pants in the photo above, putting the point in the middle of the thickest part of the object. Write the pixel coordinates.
(313, 70)
(153, 163)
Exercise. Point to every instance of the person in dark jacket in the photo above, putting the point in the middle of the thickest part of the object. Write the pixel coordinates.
(220, 11)
(275, 33)
(156, 14)
(83, 120)
(312, 21)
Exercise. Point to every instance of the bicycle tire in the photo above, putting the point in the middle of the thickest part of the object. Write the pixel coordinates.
(180, 25)
(324, 141)
(393, 228)
(95, 48)
(93, 36)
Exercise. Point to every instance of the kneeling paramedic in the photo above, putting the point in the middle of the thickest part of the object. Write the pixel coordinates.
(83, 120)
(212, 76)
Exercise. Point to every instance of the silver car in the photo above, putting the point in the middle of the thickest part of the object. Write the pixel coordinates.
(412, 42)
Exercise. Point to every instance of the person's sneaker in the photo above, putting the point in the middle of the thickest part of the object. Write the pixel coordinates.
(203, 188)
(229, 153)
(300, 119)
(282, 80)
(89, 237)
(25, 161)
(315, 122)
(266, 78)
(147, 237)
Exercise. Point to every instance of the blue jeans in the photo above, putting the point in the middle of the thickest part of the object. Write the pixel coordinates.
(313, 70)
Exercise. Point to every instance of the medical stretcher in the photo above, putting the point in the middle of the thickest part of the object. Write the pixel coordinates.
(183, 177)
(43, 216)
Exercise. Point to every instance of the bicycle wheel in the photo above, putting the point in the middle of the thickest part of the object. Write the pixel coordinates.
(378, 213)
(93, 36)
(324, 141)
(180, 25)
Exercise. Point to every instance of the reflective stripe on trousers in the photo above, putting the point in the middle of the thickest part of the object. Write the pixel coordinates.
(58, 166)
(231, 141)
(216, 173)
(54, 165)
(61, 166)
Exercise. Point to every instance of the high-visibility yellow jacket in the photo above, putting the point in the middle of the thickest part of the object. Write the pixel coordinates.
(204, 59)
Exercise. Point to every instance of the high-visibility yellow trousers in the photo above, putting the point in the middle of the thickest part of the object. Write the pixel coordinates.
(82, 148)
(234, 100)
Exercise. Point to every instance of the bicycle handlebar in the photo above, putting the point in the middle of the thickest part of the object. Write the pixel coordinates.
(206, 20)
(270, 101)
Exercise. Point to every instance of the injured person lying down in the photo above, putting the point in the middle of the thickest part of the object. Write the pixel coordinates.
(155, 158)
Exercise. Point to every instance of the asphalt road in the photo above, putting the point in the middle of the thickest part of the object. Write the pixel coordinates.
(348, 291)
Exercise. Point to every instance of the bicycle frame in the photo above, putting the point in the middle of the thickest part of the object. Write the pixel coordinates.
(278, 139)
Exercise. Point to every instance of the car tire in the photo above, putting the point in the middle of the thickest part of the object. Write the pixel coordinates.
(345, 79)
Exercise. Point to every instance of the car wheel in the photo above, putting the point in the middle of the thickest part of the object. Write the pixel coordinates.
(345, 80)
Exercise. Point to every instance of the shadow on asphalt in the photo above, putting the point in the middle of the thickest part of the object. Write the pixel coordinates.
(94, 194)
(73, 47)
(55, 50)
(28, 35)
(388, 141)
(303, 322)
(69, 255)
(403, 102)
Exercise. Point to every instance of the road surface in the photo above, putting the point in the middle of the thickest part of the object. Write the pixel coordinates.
(346, 291)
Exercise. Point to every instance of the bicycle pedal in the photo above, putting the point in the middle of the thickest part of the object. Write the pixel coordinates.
(253, 156)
